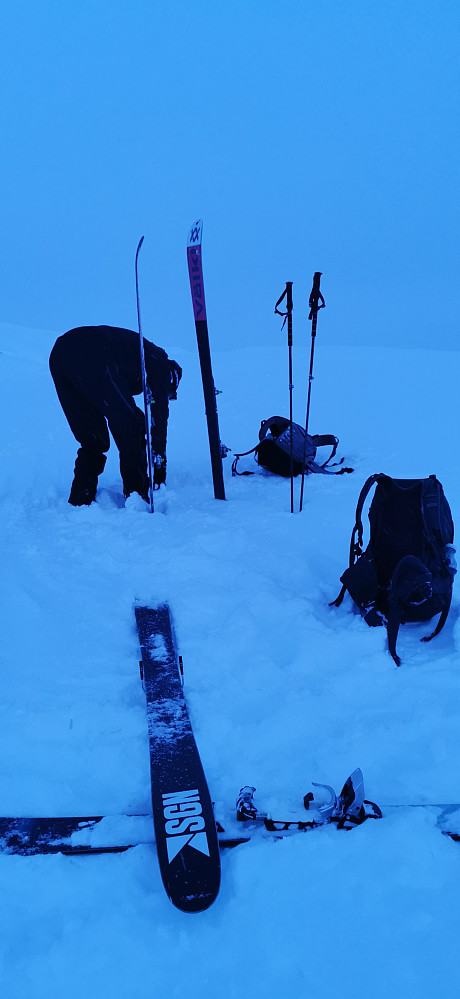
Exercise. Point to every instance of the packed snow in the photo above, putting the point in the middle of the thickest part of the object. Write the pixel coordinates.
(282, 689)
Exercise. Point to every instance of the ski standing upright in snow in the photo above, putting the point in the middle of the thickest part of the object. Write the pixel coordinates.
(185, 828)
(145, 388)
(195, 269)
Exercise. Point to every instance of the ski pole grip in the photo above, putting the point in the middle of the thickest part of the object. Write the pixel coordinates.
(316, 300)
(316, 283)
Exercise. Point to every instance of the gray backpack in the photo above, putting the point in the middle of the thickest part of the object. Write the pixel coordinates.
(273, 452)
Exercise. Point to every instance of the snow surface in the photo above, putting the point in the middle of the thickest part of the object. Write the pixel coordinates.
(282, 690)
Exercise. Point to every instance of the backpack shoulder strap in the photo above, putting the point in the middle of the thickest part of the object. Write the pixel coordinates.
(437, 518)
(321, 440)
(393, 622)
(356, 541)
(242, 455)
(442, 620)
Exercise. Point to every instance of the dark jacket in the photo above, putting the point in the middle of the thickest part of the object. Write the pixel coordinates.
(110, 355)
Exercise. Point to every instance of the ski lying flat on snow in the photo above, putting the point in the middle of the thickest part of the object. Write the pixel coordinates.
(88, 834)
(74, 834)
(195, 270)
(185, 828)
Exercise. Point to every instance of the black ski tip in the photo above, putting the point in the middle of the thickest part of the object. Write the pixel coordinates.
(196, 903)
(192, 878)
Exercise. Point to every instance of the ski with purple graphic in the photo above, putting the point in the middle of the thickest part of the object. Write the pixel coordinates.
(195, 270)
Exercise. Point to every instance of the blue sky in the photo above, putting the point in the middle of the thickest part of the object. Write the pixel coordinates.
(308, 136)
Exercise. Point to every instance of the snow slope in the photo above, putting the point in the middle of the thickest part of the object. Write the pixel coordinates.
(282, 690)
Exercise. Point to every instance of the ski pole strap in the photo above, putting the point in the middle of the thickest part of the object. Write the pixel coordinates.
(287, 294)
(316, 300)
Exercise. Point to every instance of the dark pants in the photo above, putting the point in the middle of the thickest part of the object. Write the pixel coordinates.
(94, 393)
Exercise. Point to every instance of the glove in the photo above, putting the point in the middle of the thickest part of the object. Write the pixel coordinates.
(175, 372)
(159, 470)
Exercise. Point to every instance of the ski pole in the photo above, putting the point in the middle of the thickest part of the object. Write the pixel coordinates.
(287, 293)
(145, 387)
(316, 302)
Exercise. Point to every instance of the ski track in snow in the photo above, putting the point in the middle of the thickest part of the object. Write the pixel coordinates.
(281, 689)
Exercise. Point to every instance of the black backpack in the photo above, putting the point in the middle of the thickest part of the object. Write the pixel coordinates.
(273, 452)
(407, 570)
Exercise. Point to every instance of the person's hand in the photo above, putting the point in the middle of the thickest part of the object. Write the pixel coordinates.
(159, 470)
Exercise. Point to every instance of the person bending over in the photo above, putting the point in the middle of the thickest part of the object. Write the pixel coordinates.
(97, 371)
